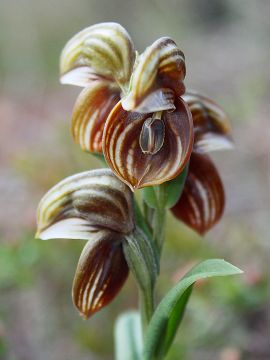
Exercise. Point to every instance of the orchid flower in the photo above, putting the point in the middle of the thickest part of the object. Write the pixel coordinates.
(131, 106)
(97, 207)
(202, 202)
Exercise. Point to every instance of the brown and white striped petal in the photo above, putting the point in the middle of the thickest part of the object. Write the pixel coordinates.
(202, 202)
(212, 129)
(123, 153)
(103, 50)
(101, 273)
(90, 113)
(96, 198)
(161, 66)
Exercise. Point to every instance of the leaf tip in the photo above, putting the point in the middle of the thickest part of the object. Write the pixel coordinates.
(230, 269)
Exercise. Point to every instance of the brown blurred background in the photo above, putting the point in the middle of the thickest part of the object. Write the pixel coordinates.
(227, 49)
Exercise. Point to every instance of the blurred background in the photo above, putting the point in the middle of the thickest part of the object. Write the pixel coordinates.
(227, 49)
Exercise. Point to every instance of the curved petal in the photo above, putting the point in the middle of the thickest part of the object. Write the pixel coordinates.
(162, 65)
(81, 76)
(212, 129)
(90, 113)
(96, 198)
(123, 153)
(202, 202)
(106, 49)
(158, 100)
(69, 228)
(101, 273)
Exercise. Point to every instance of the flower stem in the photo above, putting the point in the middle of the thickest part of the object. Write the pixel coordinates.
(159, 219)
(146, 308)
(142, 259)
(148, 213)
(156, 218)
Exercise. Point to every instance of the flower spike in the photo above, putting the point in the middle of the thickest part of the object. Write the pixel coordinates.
(102, 51)
(133, 108)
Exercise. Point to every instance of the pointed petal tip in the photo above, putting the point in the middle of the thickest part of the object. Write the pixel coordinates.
(87, 315)
(83, 315)
(128, 103)
(239, 271)
(41, 234)
(200, 232)
(230, 143)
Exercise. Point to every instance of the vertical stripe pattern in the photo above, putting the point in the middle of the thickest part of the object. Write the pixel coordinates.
(212, 130)
(202, 202)
(105, 48)
(122, 151)
(90, 113)
(101, 273)
(97, 196)
(162, 65)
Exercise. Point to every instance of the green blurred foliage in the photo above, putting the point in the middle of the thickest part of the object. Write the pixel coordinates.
(17, 262)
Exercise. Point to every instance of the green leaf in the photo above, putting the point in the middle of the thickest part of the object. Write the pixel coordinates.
(150, 196)
(167, 194)
(170, 311)
(128, 337)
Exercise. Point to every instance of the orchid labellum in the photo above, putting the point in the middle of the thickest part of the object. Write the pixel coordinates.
(131, 106)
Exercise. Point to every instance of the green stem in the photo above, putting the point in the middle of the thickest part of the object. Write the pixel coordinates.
(159, 219)
(156, 217)
(141, 253)
(148, 213)
(143, 263)
(146, 308)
